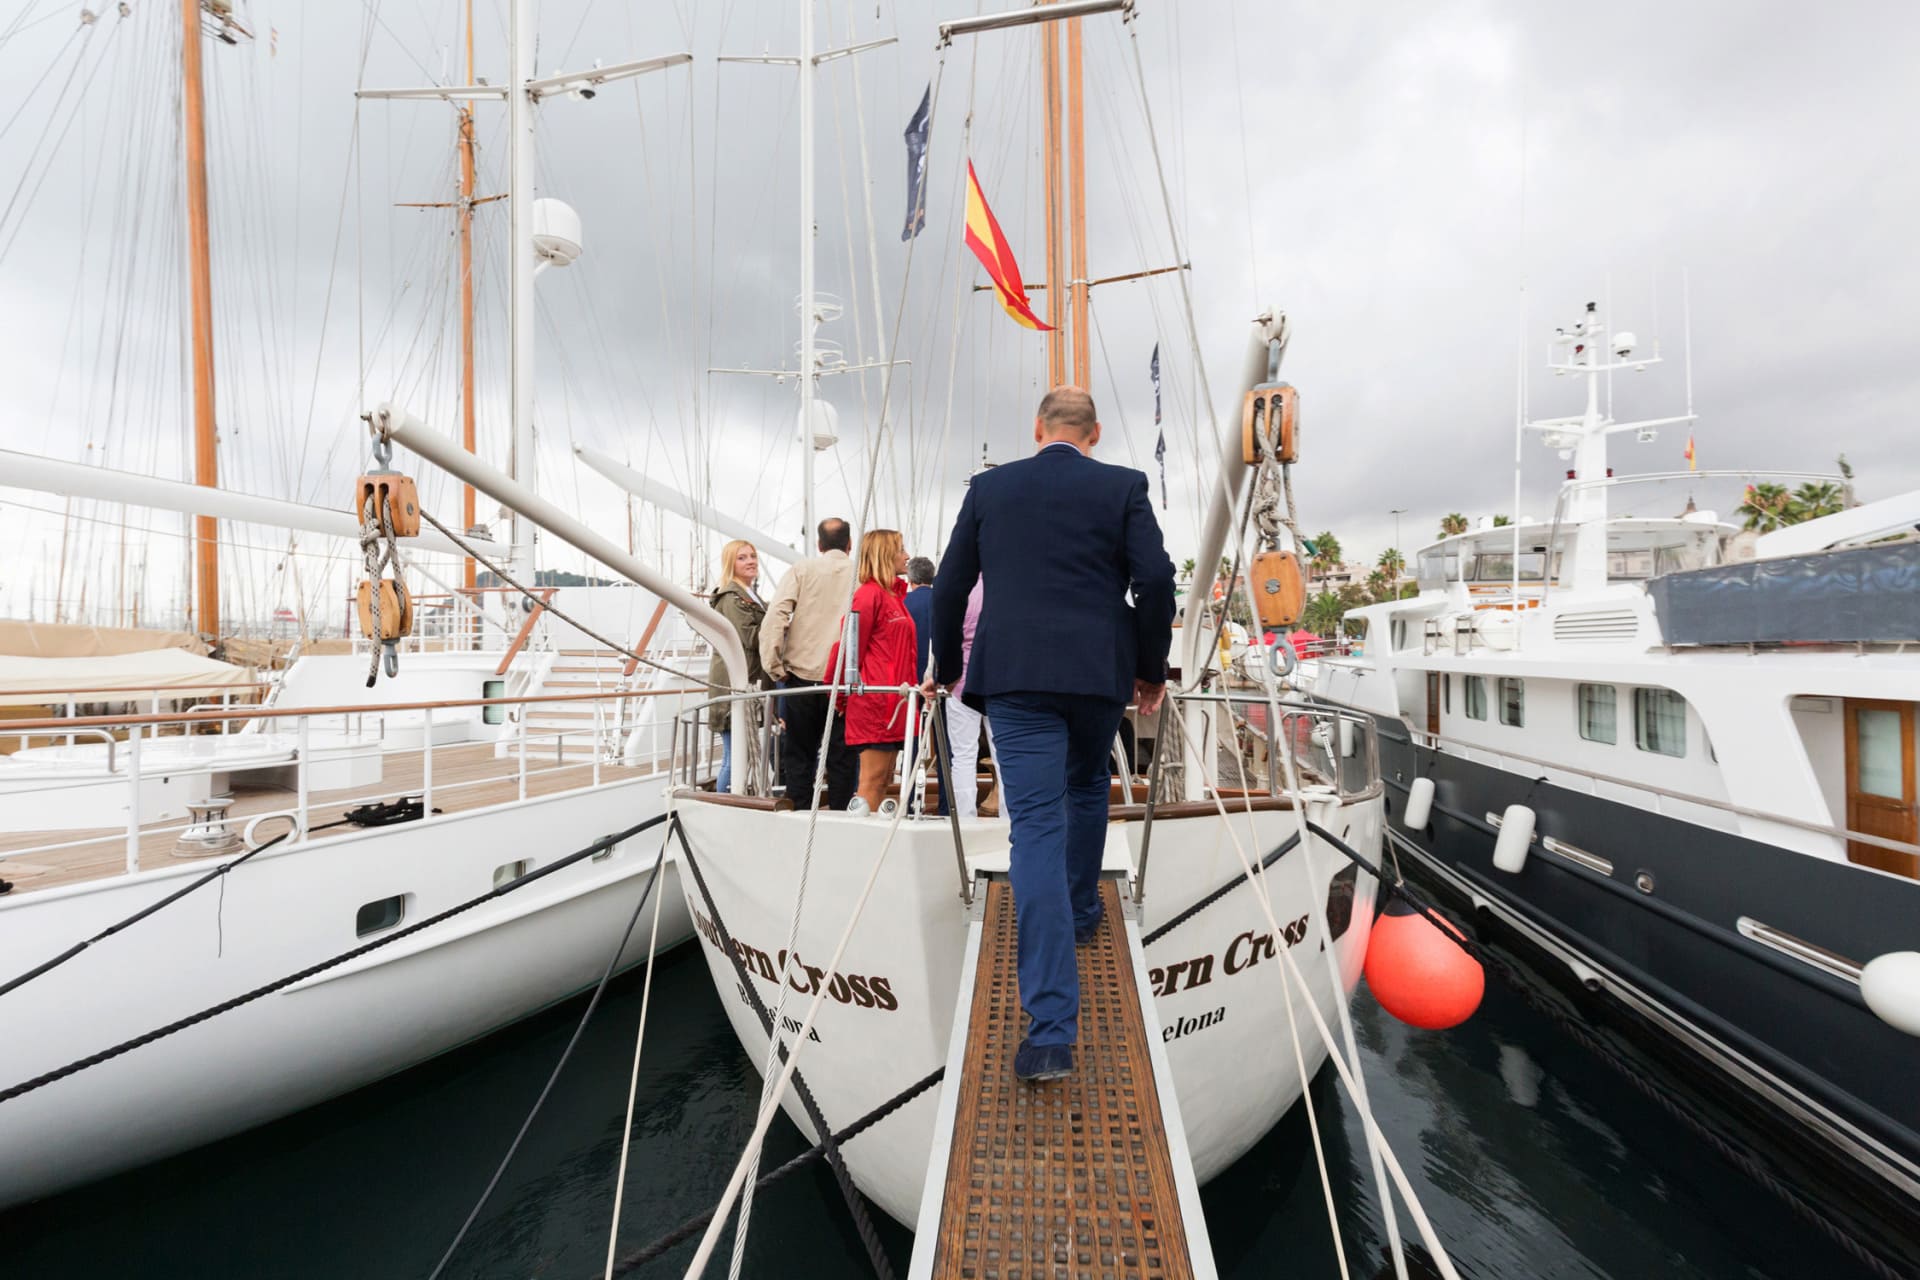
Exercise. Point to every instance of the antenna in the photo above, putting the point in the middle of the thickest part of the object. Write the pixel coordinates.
(1686, 322)
(1610, 363)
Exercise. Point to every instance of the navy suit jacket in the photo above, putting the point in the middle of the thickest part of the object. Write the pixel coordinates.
(1061, 540)
(919, 604)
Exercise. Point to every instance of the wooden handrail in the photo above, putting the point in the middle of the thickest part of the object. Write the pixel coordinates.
(646, 638)
(728, 800)
(526, 628)
(190, 691)
(216, 715)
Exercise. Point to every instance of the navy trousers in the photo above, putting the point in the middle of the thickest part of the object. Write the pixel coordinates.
(1052, 753)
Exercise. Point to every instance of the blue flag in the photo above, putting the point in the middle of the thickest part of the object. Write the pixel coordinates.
(1159, 445)
(917, 166)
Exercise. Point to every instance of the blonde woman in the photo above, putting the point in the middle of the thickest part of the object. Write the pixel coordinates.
(736, 600)
(877, 720)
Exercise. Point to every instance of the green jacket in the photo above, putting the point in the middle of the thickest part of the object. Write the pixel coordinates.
(738, 607)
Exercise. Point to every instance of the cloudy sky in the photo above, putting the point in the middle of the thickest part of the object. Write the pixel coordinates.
(1412, 184)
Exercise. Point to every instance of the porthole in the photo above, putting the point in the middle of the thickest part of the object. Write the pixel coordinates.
(382, 913)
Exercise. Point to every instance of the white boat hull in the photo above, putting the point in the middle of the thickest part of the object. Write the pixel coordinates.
(889, 1014)
(335, 1032)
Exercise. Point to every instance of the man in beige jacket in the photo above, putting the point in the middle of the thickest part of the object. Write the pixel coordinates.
(802, 623)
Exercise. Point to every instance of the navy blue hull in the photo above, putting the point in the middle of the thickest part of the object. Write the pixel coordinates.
(1796, 1038)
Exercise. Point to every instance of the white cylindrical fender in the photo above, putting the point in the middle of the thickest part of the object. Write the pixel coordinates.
(1516, 837)
(1890, 984)
(1419, 805)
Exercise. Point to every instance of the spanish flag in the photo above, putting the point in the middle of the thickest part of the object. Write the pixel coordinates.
(996, 255)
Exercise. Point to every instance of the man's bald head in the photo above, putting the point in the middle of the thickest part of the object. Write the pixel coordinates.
(1067, 413)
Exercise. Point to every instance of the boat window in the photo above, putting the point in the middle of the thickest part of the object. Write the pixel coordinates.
(1399, 633)
(383, 913)
(1476, 698)
(493, 689)
(1660, 721)
(508, 872)
(1630, 564)
(1497, 566)
(1513, 701)
(1436, 569)
(1597, 717)
(1340, 901)
(1446, 694)
(1878, 749)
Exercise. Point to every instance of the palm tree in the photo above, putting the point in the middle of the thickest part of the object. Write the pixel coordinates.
(1379, 585)
(1323, 613)
(1767, 507)
(1818, 498)
(1326, 553)
(1392, 563)
(1501, 522)
(1451, 523)
(1186, 569)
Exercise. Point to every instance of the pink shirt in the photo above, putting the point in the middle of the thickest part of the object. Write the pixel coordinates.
(968, 624)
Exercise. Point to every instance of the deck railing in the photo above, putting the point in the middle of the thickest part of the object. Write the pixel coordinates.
(614, 720)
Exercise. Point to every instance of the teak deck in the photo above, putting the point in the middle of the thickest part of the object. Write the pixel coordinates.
(1075, 1177)
(465, 776)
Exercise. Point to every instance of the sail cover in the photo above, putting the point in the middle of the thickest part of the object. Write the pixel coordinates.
(119, 677)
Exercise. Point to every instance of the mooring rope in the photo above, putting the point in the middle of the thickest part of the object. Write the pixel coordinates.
(553, 1077)
(280, 984)
(856, 1205)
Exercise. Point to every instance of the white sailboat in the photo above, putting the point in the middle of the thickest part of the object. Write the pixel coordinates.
(518, 737)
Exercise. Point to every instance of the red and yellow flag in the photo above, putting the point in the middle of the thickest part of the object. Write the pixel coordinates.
(989, 245)
(1691, 465)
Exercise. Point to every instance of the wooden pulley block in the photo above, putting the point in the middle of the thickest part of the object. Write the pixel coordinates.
(1272, 409)
(396, 491)
(1279, 592)
(396, 610)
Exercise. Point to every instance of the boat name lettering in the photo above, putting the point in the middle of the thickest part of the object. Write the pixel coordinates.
(1187, 1026)
(789, 1024)
(1246, 950)
(866, 991)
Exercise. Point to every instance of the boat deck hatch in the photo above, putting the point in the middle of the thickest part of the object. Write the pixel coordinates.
(1076, 1177)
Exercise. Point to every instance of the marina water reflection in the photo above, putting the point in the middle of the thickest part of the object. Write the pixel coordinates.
(1533, 1159)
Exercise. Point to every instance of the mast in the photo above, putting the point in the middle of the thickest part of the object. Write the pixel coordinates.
(1077, 204)
(807, 318)
(521, 259)
(1056, 295)
(206, 471)
(467, 436)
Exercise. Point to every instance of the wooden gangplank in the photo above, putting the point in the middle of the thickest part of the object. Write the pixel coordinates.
(1087, 1176)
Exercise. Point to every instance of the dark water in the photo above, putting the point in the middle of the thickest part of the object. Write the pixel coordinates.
(1532, 1158)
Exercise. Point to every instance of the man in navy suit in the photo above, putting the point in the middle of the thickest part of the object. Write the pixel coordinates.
(1059, 652)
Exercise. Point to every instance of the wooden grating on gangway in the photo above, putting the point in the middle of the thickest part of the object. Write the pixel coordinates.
(1073, 1178)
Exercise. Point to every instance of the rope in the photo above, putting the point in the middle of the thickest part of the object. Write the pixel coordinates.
(575, 623)
(856, 1205)
(1733, 1153)
(280, 984)
(633, 1083)
(74, 950)
(686, 1230)
(586, 1015)
(1169, 926)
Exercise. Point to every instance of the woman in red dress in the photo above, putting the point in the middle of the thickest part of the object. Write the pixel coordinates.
(877, 720)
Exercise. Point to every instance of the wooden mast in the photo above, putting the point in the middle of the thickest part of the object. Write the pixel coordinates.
(206, 469)
(467, 436)
(1077, 205)
(1056, 296)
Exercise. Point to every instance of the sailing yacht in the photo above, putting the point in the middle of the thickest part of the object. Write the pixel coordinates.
(1676, 758)
(493, 742)
(770, 887)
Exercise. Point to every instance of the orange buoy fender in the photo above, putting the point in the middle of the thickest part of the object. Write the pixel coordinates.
(1419, 974)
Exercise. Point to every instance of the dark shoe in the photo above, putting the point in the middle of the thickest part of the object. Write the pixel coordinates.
(1085, 933)
(1038, 1063)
